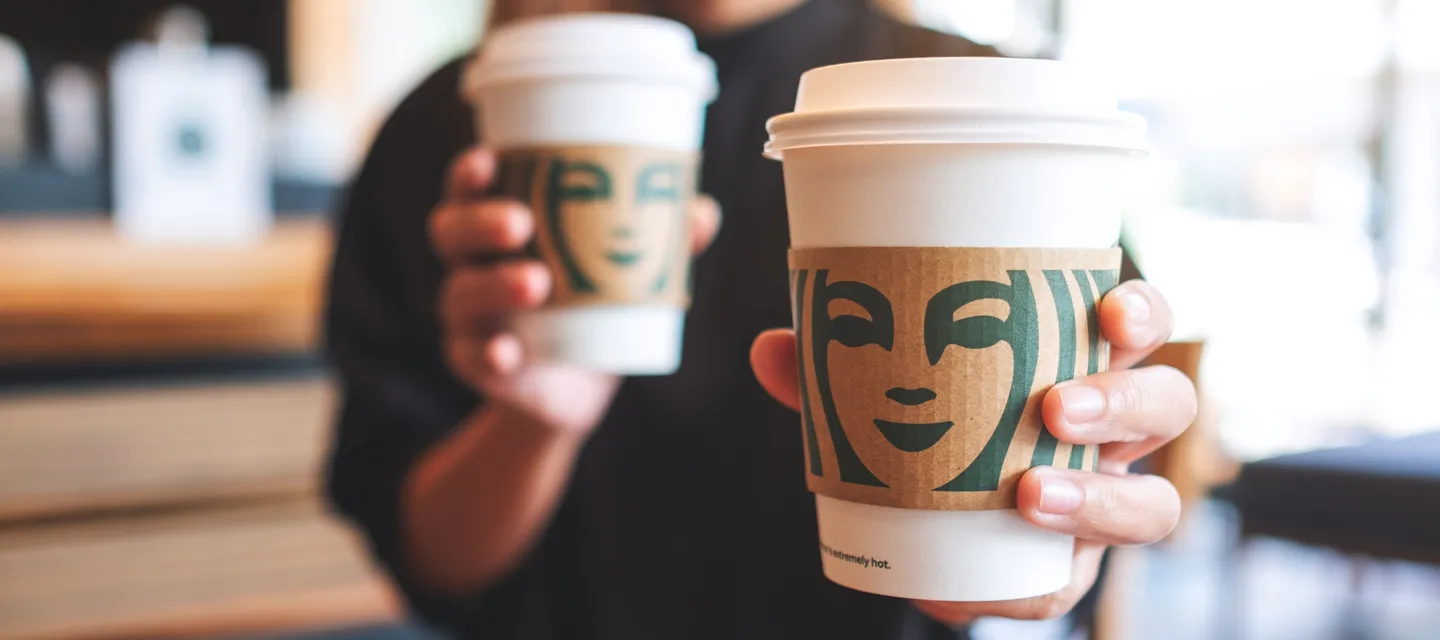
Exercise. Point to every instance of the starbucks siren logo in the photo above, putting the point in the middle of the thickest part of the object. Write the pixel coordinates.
(612, 220)
(922, 382)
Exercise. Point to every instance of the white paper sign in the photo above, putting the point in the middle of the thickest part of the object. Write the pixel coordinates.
(14, 100)
(190, 138)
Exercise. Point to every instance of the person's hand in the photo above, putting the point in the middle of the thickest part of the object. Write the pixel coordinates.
(468, 231)
(1129, 412)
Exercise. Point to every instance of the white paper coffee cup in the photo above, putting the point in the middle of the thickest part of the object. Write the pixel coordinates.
(606, 82)
(951, 152)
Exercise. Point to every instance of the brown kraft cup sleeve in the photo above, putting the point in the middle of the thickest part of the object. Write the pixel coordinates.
(611, 222)
(922, 368)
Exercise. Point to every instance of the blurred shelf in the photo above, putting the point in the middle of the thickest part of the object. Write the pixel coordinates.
(268, 568)
(38, 188)
(67, 453)
(72, 290)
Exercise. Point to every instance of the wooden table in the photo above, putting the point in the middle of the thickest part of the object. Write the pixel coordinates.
(280, 567)
(73, 290)
(170, 510)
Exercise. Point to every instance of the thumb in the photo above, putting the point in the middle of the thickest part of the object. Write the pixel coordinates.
(704, 223)
(772, 356)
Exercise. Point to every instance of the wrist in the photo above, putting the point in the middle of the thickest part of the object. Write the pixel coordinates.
(493, 428)
(521, 424)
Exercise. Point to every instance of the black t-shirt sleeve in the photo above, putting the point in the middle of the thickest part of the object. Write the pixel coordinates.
(382, 334)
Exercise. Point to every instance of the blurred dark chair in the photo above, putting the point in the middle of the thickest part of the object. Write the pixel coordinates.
(1378, 500)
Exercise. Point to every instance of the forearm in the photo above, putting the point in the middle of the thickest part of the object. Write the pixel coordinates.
(474, 505)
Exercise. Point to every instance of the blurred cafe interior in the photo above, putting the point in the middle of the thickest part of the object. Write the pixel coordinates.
(165, 410)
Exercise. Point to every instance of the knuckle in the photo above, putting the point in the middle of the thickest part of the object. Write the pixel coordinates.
(1127, 394)
(1111, 515)
(1152, 516)
(1102, 505)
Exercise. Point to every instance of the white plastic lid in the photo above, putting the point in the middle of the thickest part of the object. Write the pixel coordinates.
(606, 45)
(953, 100)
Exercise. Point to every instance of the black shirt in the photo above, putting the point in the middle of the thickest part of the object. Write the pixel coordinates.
(687, 515)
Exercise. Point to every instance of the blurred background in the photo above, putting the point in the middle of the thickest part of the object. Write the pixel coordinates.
(167, 175)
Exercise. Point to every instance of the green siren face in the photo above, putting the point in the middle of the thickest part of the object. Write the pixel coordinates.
(611, 220)
(921, 385)
(854, 329)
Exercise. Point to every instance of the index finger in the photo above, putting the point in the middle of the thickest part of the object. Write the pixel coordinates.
(470, 174)
(1148, 406)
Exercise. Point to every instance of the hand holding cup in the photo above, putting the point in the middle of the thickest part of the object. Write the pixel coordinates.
(1128, 412)
(478, 238)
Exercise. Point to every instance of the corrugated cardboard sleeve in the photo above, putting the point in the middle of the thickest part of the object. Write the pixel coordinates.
(922, 368)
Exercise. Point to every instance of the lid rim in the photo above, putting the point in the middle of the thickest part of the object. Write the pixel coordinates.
(1115, 118)
(955, 125)
(774, 152)
(480, 80)
(585, 44)
(697, 72)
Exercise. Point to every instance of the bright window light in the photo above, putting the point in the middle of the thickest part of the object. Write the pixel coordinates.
(984, 21)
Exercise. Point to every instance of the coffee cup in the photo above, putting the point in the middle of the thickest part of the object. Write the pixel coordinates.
(597, 120)
(954, 223)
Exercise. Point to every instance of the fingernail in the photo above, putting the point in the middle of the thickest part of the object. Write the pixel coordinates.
(1137, 309)
(505, 354)
(477, 165)
(1081, 402)
(533, 287)
(1059, 495)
